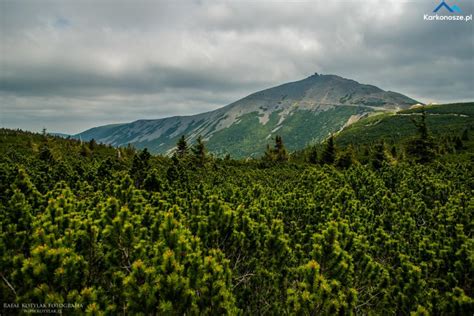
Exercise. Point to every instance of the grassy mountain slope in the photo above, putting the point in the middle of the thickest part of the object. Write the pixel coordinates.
(301, 128)
(442, 120)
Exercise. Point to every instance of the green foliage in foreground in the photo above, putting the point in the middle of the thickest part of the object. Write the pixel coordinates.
(121, 232)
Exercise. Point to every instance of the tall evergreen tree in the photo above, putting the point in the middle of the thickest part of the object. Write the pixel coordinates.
(269, 154)
(199, 151)
(281, 153)
(329, 153)
(182, 147)
(278, 152)
(422, 148)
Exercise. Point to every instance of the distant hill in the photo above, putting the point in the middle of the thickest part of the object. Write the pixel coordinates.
(302, 112)
(442, 120)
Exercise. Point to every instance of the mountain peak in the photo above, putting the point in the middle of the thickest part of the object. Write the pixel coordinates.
(301, 112)
(328, 77)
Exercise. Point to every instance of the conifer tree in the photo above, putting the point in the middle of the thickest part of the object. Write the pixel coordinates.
(199, 151)
(176, 173)
(277, 153)
(378, 156)
(182, 147)
(269, 154)
(92, 144)
(280, 151)
(329, 153)
(422, 148)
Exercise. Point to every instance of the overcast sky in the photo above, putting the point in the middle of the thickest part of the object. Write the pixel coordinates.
(72, 65)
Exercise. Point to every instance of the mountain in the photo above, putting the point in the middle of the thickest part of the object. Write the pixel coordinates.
(301, 112)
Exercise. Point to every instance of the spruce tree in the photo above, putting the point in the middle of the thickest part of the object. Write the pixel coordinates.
(269, 154)
(329, 153)
(182, 147)
(199, 151)
(280, 151)
(422, 148)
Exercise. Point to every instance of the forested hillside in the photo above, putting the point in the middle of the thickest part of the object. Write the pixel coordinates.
(444, 121)
(382, 229)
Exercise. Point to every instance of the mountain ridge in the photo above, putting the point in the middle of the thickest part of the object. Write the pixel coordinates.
(242, 128)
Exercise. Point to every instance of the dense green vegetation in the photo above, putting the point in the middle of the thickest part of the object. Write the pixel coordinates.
(446, 120)
(329, 230)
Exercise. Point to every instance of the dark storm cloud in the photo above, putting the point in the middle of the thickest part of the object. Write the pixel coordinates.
(71, 65)
(65, 80)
